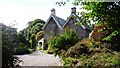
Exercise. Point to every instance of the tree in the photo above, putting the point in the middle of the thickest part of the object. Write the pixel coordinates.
(32, 29)
(33, 41)
(21, 38)
(107, 14)
(103, 14)
(9, 40)
(35, 26)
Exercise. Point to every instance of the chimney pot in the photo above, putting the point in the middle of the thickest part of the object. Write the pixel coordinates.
(73, 10)
(53, 11)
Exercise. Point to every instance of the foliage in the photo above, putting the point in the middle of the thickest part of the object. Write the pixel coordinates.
(112, 40)
(33, 41)
(30, 34)
(22, 39)
(9, 40)
(63, 41)
(100, 54)
(33, 27)
(23, 45)
(39, 35)
(101, 13)
(107, 14)
(21, 49)
(70, 61)
(92, 54)
(98, 33)
(85, 46)
(51, 48)
(100, 60)
(77, 50)
(62, 2)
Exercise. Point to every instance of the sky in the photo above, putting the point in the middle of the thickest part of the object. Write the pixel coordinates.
(20, 12)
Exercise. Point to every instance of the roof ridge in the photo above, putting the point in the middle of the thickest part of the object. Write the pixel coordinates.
(60, 21)
(78, 19)
(58, 17)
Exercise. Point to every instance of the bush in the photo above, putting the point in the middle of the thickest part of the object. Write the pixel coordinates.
(101, 60)
(64, 41)
(94, 46)
(33, 41)
(70, 62)
(50, 50)
(84, 50)
(98, 32)
(77, 50)
(21, 49)
(9, 40)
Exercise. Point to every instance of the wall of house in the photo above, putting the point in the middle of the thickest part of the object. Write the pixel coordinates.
(79, 30)
(82, 32)
(51, 29)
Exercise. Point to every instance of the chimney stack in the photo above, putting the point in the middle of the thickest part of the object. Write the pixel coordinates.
(73, 10)
(53, 11)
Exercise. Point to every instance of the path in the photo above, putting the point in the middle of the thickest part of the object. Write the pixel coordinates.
(39, 58)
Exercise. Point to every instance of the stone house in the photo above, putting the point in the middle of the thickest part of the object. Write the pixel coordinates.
(56, 25)
(53, 26)
(72, 24)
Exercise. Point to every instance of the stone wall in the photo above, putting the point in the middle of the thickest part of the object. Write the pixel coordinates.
(51, 29)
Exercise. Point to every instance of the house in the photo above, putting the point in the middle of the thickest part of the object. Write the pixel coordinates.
(53, 26)
(56, 25)
(71, 24)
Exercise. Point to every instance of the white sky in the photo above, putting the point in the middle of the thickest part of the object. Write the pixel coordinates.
(23, 11)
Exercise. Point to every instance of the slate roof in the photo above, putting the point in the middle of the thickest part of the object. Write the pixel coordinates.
(78, 19)
(59, 21)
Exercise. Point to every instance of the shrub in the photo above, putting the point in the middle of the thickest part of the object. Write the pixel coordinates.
(33, 41)
(9, 40)
(98, 32)
(50, 50)
(112, 39)
(70, 62)
(101, 60)
(77, 50)
(94, 46)
(64, 41)
(84, 50)
(21, 49)
(50, 45)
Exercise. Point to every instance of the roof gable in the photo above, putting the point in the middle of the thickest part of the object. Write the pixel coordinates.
(78, 19)
(59, 21)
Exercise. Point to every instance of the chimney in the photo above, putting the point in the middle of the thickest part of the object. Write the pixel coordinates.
(53, 11)
(73, 10)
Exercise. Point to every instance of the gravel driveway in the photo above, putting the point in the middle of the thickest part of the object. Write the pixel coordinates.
(38, 58)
